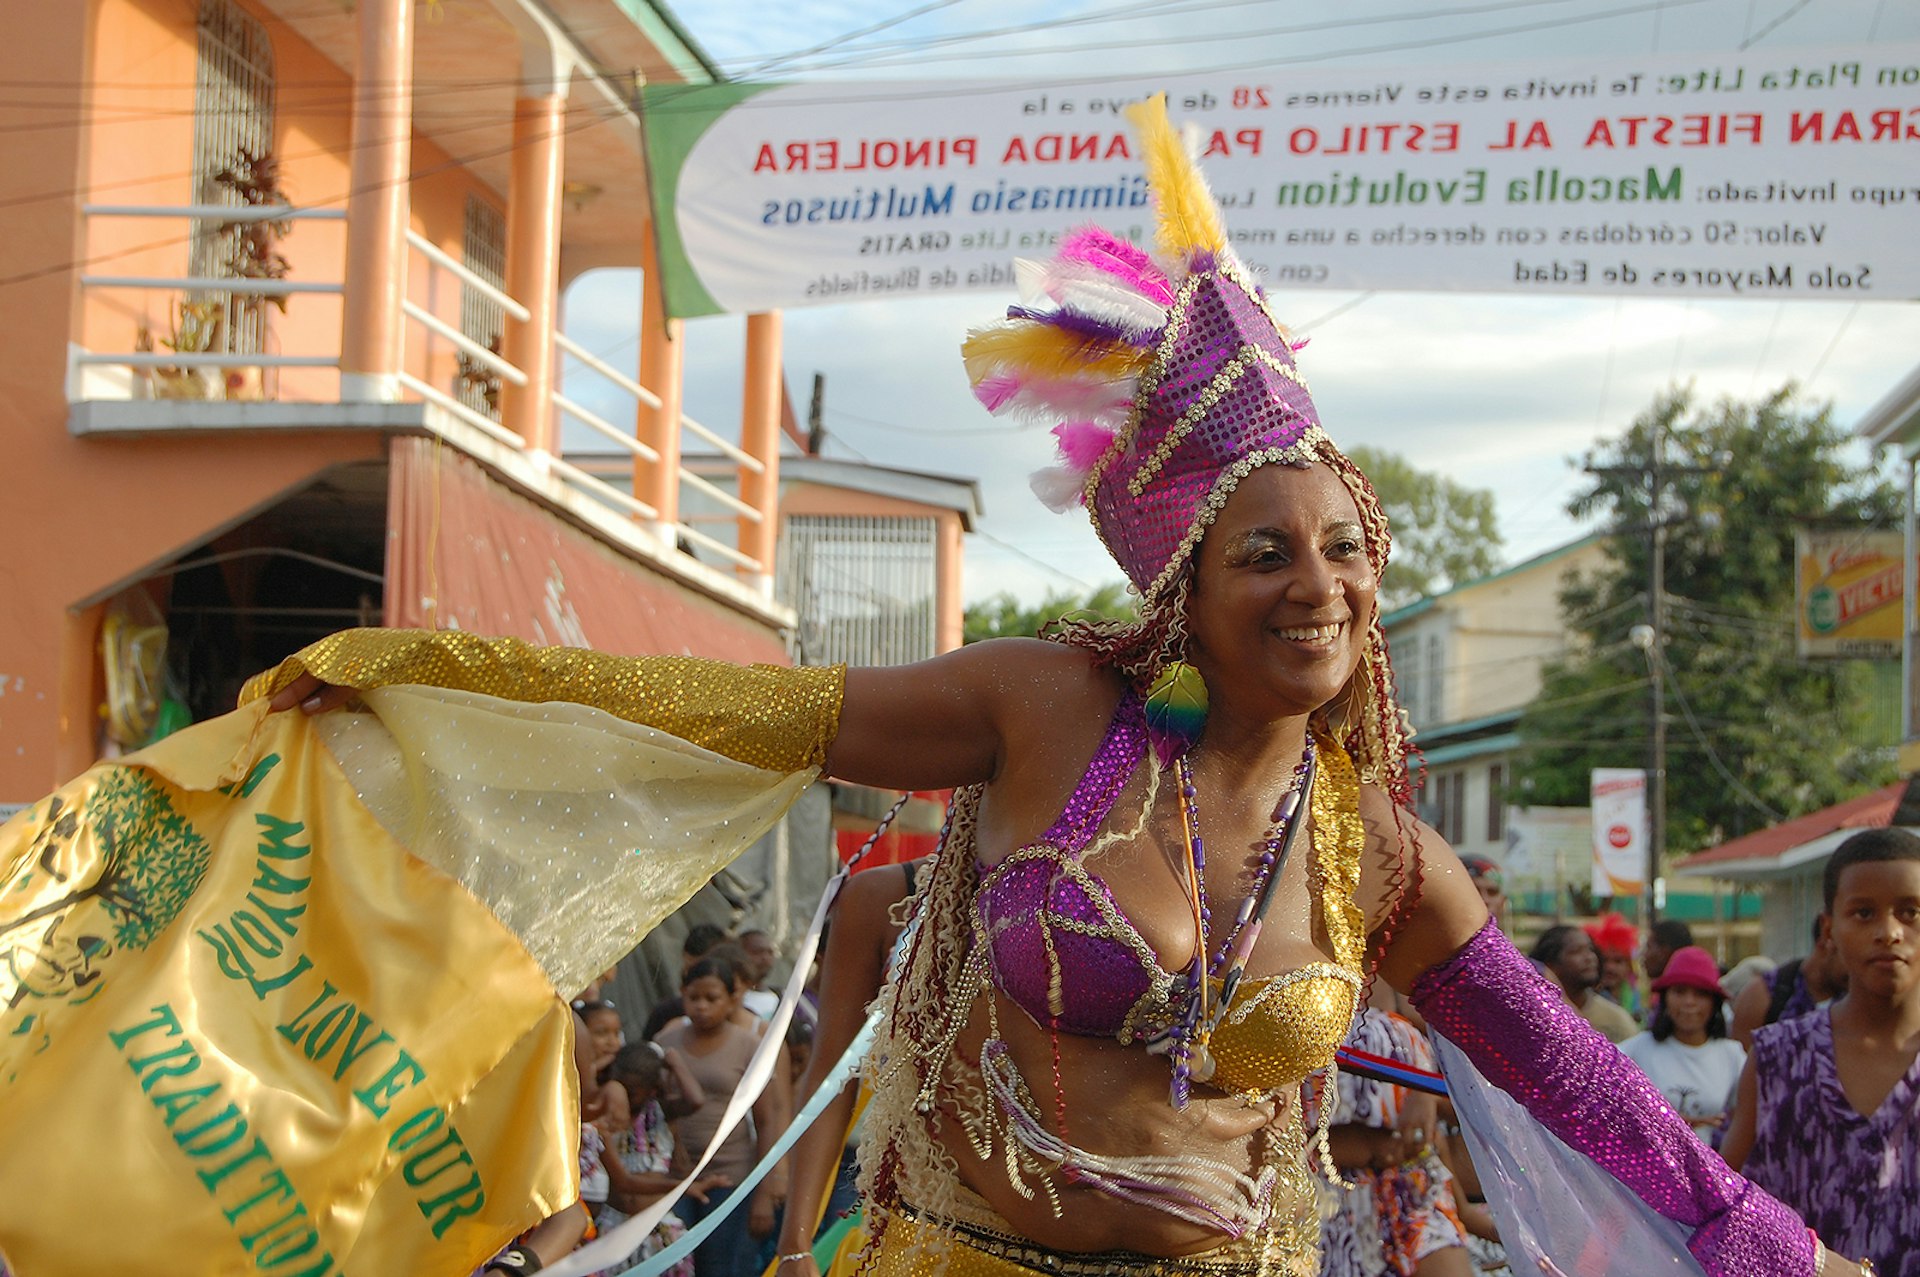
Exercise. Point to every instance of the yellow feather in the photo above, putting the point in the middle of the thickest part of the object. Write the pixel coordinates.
(1033, 350)
(1189, 219)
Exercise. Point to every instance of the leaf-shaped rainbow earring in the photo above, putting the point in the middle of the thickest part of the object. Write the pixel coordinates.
(1176, 711)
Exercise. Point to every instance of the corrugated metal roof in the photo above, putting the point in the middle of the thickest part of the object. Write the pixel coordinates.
(1868, 811)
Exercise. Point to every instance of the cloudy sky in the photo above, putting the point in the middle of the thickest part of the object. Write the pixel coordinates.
(1497, 391)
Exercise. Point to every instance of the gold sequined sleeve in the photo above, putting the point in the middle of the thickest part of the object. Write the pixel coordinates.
(765, 715)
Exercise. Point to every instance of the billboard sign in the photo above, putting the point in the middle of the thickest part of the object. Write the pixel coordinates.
(1848, 588)
(1619, 830)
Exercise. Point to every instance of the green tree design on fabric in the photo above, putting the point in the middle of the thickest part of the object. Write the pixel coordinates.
(152, 860)
(159, 860)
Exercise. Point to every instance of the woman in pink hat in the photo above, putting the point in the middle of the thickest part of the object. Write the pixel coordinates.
(1180, 849)
(1687, 1052)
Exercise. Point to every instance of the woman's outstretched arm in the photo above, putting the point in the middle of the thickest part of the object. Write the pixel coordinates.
(1484, 998)
(934, 724)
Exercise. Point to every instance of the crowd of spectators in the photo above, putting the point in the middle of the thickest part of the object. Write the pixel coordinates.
(1801, 1071)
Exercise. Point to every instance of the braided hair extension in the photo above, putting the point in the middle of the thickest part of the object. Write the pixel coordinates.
(1377, 735)
(1139, 648)
(924, 1005)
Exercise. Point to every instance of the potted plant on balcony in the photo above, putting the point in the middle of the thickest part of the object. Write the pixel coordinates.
(474, 380)
(253, 253)
(196, 328)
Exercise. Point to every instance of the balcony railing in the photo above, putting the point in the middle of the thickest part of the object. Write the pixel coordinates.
(684, 528)
(433, 349)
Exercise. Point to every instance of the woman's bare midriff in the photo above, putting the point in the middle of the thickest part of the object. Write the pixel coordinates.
(1116, 1101)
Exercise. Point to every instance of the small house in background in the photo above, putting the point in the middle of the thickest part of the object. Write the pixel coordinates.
(1466, 663)
(1784, 863)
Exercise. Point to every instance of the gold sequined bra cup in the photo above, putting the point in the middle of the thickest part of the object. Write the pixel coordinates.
(1060, 948)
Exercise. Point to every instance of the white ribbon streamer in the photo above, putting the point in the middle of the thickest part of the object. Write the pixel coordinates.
(625, 1238)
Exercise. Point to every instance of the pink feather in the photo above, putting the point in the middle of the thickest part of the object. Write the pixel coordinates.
(1124, 261)
(1039, 400)
(994, 392)
(1082, 444)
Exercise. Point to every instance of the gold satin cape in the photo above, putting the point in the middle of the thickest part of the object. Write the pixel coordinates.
(278, 995)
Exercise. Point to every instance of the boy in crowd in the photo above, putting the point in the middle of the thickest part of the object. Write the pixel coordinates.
(1668, 937)
(1796, 988)
(761, 955)
(1828, 1114)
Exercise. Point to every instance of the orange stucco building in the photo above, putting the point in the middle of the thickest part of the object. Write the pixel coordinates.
(284, 286)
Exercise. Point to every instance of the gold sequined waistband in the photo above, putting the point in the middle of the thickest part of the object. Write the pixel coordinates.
(916, 1245)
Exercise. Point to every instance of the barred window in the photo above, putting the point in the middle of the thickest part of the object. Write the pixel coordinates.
(482, 318)
(863, 588)
(1433, 686)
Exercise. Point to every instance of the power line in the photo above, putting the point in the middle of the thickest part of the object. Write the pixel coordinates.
(1015, 550)
(944, 432)
(893, 55)
(922, 91)
(1337, 311)
(1713, 755)
(1767, 30)
(1834, 344)
(796, 55)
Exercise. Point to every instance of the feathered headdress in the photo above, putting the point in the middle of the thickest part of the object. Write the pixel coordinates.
(1165, 373)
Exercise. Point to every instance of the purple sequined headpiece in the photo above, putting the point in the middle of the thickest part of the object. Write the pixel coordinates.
(1174, 378)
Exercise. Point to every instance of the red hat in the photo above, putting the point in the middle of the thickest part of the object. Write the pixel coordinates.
(1693, 967)
(1613, 934)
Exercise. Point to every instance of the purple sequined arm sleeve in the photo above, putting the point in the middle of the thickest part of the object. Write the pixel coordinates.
(1522, 1034)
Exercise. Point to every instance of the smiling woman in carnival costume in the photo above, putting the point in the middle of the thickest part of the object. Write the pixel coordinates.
(1180, 847)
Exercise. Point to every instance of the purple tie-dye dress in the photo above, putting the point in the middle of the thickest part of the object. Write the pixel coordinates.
(1854, 1179)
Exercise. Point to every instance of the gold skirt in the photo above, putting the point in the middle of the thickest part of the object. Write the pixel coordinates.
(913, 1245)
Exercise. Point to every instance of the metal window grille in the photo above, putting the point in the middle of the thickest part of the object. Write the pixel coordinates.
(1433, 686)
(863, 588)
(232, 111)
(1452, 814)
(481, 317)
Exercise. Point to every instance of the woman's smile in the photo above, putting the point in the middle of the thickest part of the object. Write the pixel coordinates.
(1314, 637)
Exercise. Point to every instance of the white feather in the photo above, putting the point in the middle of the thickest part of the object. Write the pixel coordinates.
(1031, 277)
(1048, 403)
(1058, 487)
(1083, 287)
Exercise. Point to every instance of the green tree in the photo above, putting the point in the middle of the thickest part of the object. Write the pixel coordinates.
(1004, 616)
(1755, 734)
(1443, 532)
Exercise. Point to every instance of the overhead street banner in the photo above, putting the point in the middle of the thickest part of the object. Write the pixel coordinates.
(1756, 174)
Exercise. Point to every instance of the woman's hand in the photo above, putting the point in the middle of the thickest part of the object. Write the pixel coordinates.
(760, 1214)
(311, 695)
(699, 1189)
(1368, 1148)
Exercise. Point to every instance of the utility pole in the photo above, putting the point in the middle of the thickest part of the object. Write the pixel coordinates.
(1657, 669)
(817, 415)
(1651, 638)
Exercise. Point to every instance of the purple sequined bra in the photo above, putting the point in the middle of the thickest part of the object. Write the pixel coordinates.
(1061, 949)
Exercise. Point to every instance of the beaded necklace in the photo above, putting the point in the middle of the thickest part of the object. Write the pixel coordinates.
(1192, 1061)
